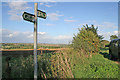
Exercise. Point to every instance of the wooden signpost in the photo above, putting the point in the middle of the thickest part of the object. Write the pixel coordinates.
(33, 18)
(28, 17)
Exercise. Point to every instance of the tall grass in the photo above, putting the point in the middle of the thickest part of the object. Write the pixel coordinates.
(63, 64)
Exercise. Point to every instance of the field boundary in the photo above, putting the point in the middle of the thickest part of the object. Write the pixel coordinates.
(26, 52)
(32, 49)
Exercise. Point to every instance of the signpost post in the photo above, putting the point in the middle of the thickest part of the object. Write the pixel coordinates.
(33, 18)
(35, 43)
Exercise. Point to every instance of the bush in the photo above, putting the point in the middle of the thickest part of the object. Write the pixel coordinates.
(50, 65)
(86, 42)
(104, 42)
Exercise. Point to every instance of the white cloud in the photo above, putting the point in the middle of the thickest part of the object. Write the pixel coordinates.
(63, 37)
(107, 35)
(30, 36)
(15, 17)
(107, 25)
(9, 36)
(13, 36)
(54, 16)
(41, 3)
(49, 24)
(41, 33)
(116, 32)
(66, 20)
(16, 9)
(17, 5)
(48, 5)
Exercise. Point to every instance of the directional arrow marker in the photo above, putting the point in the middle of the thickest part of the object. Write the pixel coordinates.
(41, 14)
(28, 17)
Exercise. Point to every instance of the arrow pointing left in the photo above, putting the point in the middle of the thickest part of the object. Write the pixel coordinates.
(28, 17)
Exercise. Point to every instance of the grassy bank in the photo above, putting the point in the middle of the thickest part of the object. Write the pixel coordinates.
(94, 66)
(64, 64)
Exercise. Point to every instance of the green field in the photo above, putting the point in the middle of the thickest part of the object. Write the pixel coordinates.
(31, 46)
(64, 64)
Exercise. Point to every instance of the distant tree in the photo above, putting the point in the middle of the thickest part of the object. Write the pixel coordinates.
(94, 30)
(113, 37)
(104, 42)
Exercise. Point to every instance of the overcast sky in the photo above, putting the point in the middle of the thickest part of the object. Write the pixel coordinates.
(63, 19)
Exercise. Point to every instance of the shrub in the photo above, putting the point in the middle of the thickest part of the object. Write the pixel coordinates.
(86, 42)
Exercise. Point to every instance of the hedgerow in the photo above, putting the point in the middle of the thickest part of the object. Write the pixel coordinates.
(86, 42)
